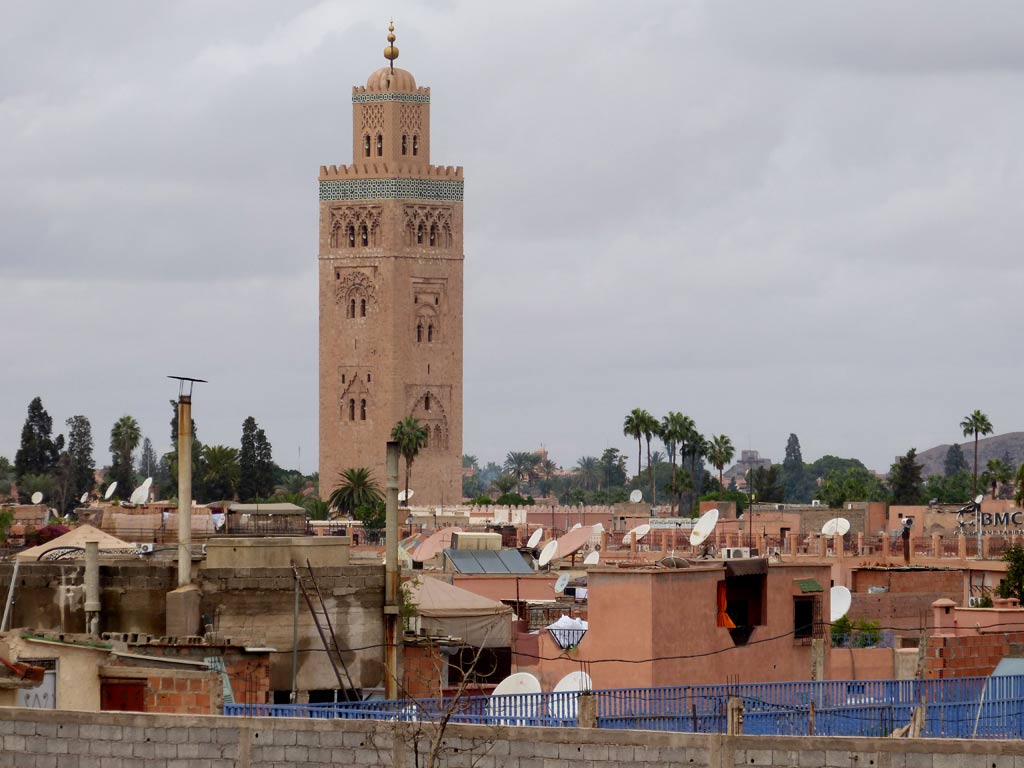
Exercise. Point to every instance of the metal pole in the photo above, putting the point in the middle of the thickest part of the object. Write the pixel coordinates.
(10, 596)
(295, 636)
(391, 634)
(184, 490)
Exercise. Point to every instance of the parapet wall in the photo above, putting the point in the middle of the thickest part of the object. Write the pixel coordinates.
(35, 739)
(382, 169)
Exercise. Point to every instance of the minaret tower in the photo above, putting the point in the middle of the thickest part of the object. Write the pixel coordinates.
(391, 292)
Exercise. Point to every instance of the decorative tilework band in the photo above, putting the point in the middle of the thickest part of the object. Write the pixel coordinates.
(385, 189)
(369, 98)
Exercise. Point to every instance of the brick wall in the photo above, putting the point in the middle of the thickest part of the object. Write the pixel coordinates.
(907, 604)
(35, 739)
(969, 656)
(184, 696)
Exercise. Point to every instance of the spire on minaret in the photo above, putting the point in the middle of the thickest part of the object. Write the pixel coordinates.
(391, 51)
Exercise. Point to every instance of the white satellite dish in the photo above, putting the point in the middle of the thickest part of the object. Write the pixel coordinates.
(515, 708)
(567, 706)
(139, 495)
(837, 525)
(37, 497)
(636, 496)
(840, 599)
(638, 533)
(562, 583)
(979, 498)
(535, 538)
(110, 490)
(85, 498)
(147, 484)
(578, 525)
(704, 527)
(593, 558)
(547, 553)
(403, 496)
(598, 527)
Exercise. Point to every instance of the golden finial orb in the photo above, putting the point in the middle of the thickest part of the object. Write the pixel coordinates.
(391, 51)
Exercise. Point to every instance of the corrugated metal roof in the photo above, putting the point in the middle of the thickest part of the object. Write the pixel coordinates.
(487, 561)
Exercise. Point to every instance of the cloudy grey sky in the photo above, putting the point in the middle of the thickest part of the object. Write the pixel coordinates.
(774, 217)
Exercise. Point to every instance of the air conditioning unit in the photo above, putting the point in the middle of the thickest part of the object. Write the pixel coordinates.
(974, 602)
(736, 553)
(815, 502)
(146, 548)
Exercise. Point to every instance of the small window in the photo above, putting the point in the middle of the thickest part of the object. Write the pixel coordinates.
(405, 143)
(352, 308)
(380, 145)
(430, 333)
(364, 236)
(426, 438)
(807, 622)
(436, 301)
(351, 236)
(362, 410)
(415, 145)
(366, 146)
(419, 234)
(368, 378)
(433, 235)
(343, 378)
(419, 332)
(362, 307)
(351, 410)
(426, 402)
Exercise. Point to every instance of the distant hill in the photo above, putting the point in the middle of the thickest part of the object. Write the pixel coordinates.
(995, 447)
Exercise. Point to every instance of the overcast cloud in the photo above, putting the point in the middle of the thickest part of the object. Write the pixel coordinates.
(774, 217)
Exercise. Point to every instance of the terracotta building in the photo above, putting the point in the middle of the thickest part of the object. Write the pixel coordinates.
(391, 291)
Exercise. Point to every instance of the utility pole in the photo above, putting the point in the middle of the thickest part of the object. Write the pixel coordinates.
(392, 636)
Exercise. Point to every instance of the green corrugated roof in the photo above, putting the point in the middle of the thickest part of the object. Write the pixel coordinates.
(809, 585)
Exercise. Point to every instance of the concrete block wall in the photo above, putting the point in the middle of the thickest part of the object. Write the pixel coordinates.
(35, 739)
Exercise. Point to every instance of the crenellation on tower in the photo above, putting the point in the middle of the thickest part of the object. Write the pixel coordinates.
(391, 292)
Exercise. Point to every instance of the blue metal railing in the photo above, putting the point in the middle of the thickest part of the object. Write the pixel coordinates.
(968, 707)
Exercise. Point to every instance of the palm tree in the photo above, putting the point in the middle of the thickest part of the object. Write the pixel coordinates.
(997, 472)
(124, 438)
(356, 488)
(649, 428)
(411, 436)
(633, 426)
(696, 449)
(221, 471)
(521, 465)
(720, 454)
(588, 468)
(505, 483)
(976, 423)
(673, 431)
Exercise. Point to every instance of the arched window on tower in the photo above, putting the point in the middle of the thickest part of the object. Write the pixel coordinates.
(362, 307)
(351, 235)
(405, 144)
(426, 437)
(437, 436)
(351, 410)
(426, 402)
(362, 410)
(419, 332)
(433, 235)
(366, 145)
(380, 145)
(430, 332)
(364, 236)
(419, 233)
(415, 144)
(352, 308)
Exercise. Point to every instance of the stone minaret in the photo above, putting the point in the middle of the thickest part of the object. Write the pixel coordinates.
(391, 292)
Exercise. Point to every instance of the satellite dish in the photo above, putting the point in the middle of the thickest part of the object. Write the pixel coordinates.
(110, 490)
(638, 533)
(578, 525)
(593, 558)
(840, 599)
(598, 527)
(547, 553)
(85, 498)
(37, 497)
(674, 562)
(704, 527)
(837, 525)
(562, 583)
(567, 706)
(636, 496)
(979, 498)
(403, 496)
(139, 495)
(535, 538)
(147, 483)
(516, 708)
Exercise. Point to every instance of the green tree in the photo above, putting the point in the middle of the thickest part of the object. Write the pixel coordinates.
(81, 467)
(7, 476)
(469, 461)
(695, 449)
(1012, 584)
(356, 488)
(613, 469)
(976, 423)
(411, 436)
(766, 485)
(1019, 485)
(265, 465)
(955, 460)
(649, 428)
(720, 453)
(220, 472)
(247, 461)
(674, 430)
(588, 469)
(124, 439)
(44, 484)
(997, 473)
(38, 453)
(521, 465)
(793, 478)
(851, 484)
(954, 489)
(149, 464)
(505, 483)
(633, 426)
(905, 479)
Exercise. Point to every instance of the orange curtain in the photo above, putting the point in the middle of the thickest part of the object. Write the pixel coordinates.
(723, 617)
